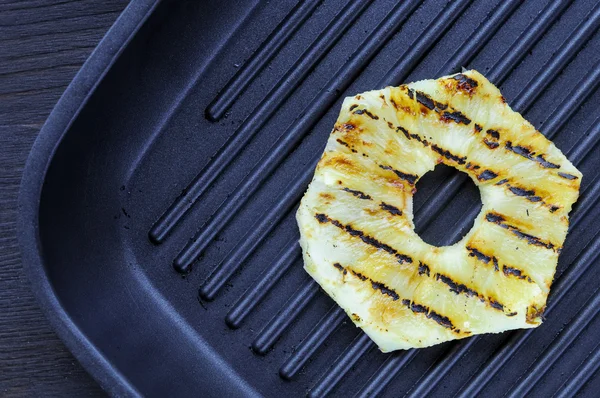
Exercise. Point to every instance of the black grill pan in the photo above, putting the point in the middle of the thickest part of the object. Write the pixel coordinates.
(157, 206)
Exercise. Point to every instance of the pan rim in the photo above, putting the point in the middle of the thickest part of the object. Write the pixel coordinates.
(51, 134)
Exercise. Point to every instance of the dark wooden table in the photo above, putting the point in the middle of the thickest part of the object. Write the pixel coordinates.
(43, 43)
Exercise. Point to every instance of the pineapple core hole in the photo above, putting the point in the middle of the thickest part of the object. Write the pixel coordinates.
(440, 229)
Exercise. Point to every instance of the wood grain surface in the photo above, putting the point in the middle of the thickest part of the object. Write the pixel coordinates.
(43, 43)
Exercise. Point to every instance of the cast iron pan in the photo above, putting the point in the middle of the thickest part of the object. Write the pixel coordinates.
(157, 206)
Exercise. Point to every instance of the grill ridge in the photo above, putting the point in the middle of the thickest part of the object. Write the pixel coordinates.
(578, 152)
(316, 337)
(484, 32)
(291, 309)
(421, 46)
(257, 119)
(440, 369)
(564, 283)
(260, 58)
(586, 370)
(526, 40)
(258, 232)
(343, 78)
(580, 93)
(386, 373)
(577, 325)
(567, 51)
(265, 282)
(359, 346)
(589, 198)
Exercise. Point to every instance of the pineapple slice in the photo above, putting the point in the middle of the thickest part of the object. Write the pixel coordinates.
(356, 219)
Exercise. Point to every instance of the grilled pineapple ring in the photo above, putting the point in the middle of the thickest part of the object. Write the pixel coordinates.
(356, 219)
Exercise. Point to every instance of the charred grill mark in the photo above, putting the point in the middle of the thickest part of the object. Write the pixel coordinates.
(532, 240)
(427, 101)
(478, 128)
(493, 133)
(381, 287)
(522, 192)
(385, 290)
(423, 269)
(390, 209)
(549, 165)
(491, 144)
(455, 116)
(404, 131)
(465, 83)
(529, 194)
(526, 153)
(344, 143)
(410, 178)
(511, 271)
(506, 270)
(415, 136)
(480, 256)
(487, 175)
(533, 313)
(369, 240)
(359, 275)
(358, 194)
(353, 107)
(366, 112)
(340, 268)
(322, 218)
(567, 176)
(442, 320)
(459, 288)
(344, 127)
(472, 166)
(394, 104)
(414, 307)
(422, 309)
(448, 155)
(431, 104)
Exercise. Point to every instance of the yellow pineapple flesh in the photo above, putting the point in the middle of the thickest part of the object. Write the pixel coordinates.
(356, 219)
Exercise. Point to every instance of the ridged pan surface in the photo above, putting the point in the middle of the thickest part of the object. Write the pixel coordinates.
(166, 218)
